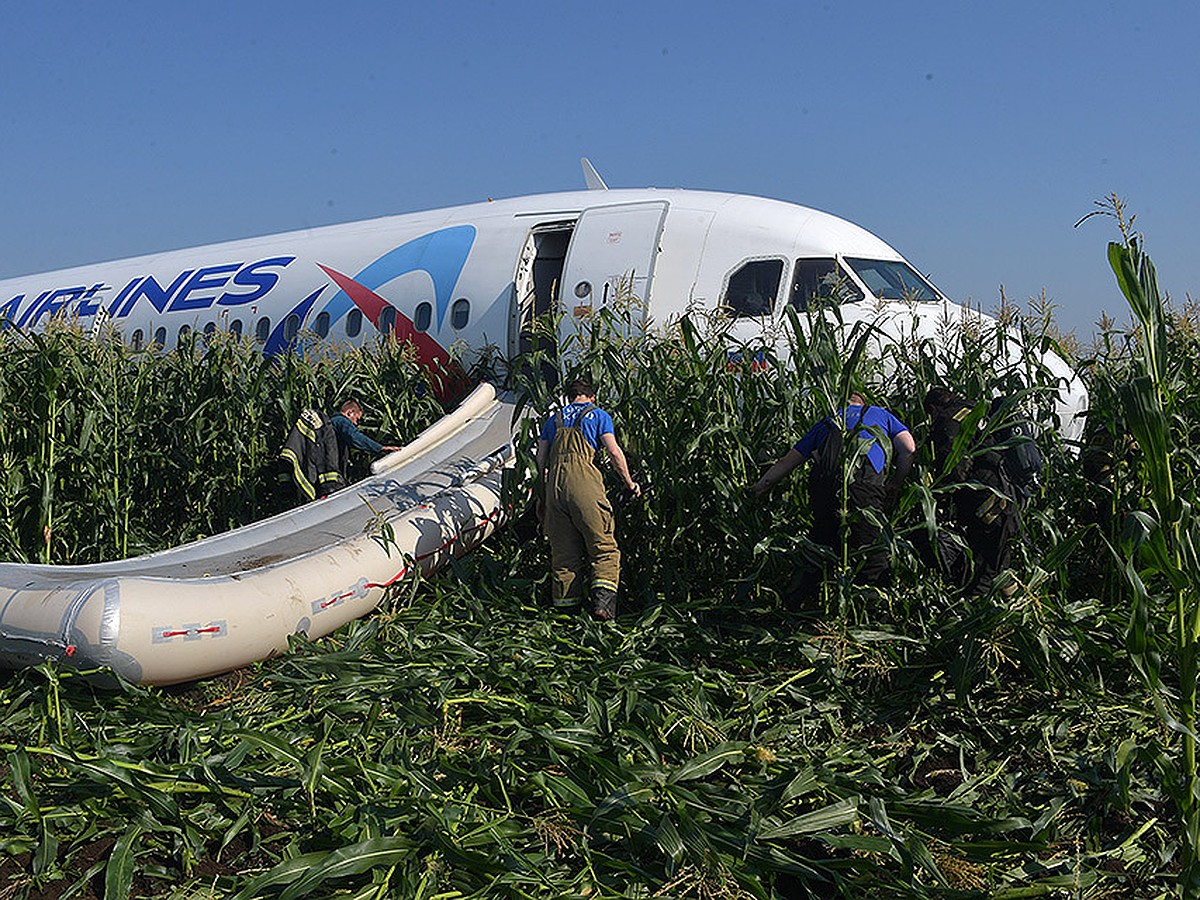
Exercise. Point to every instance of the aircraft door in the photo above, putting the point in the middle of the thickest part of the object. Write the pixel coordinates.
(610, 264)
(536, 289)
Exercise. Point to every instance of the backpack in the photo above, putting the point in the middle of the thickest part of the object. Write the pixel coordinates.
(1016, 442)
(826, 466)
(825, 470)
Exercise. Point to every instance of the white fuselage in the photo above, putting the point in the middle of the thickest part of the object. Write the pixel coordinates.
(472, 277)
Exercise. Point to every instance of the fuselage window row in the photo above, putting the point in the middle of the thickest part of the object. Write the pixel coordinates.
(460, 318)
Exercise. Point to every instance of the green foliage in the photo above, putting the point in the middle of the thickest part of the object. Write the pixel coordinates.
(1161, 539)
(470, 741)
(109, 452)
(451, 744)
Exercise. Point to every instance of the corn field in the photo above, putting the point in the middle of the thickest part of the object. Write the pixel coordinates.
(109, 453)
(468, 740)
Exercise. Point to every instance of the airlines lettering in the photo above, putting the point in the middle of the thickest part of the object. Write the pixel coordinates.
(232, 284)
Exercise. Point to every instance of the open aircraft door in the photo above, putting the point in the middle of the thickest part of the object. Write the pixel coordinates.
(610, 264)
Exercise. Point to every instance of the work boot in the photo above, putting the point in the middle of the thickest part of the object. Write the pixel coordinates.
(604, 603)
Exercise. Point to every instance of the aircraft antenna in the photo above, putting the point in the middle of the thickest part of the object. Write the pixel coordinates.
(591, 177)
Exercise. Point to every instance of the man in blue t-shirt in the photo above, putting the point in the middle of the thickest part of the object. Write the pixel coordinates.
(578, 517)
(829, 445)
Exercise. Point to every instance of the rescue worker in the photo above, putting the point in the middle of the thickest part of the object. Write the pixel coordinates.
(578, 518)
(870, 488)
(315, 457)
(985, 508)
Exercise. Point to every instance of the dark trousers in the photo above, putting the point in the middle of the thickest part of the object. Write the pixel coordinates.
(982, 546)
(990, 534)
(868, 556)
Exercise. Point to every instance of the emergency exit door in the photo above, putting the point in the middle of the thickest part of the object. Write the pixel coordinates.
(610, 261)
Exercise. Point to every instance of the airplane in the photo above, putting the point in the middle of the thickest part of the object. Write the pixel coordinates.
(457, 281)
(474, 277)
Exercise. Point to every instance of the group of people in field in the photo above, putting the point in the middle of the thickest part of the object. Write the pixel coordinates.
(846, 456)
(855, 480)
(858, 459)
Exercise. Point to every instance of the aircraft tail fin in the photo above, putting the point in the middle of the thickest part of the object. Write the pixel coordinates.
(591, 177)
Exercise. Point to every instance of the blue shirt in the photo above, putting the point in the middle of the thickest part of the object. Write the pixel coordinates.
(349, 435)
(865, 416)
(594, 425)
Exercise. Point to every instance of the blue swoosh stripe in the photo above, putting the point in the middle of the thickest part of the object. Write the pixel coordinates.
(442, 254)
(275, 343)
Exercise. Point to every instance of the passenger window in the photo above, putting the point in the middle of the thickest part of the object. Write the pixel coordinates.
(291, 328)
(819, 282)
(262, 331)
(235, 327)
(387, 321)
(423, 316)
(160, 337)
(752, 289)
(321, 326)
(460, 314)
(210, 331)
(136, 340)
(184, 331)
(353, 322)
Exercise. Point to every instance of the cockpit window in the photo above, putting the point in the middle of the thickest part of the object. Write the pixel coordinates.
(890, 280)
(753, 288)
(819, 282)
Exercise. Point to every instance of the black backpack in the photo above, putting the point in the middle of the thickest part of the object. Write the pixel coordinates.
(825, 470)
(1016, 442)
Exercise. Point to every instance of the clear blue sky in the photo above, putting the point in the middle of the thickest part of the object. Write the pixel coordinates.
(970, 136)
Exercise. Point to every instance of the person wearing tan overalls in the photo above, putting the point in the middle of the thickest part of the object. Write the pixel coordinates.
(578, 517)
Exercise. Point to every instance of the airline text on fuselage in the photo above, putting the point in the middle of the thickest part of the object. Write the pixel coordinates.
(231, 284)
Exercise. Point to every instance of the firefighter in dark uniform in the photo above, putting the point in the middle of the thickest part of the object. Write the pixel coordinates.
(984, 504)
(578, 517)
(315, 457)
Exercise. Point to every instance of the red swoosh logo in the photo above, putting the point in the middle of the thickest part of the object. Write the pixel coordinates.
(448, 377)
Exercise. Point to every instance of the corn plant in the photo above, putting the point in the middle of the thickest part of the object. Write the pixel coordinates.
(1161, 539)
